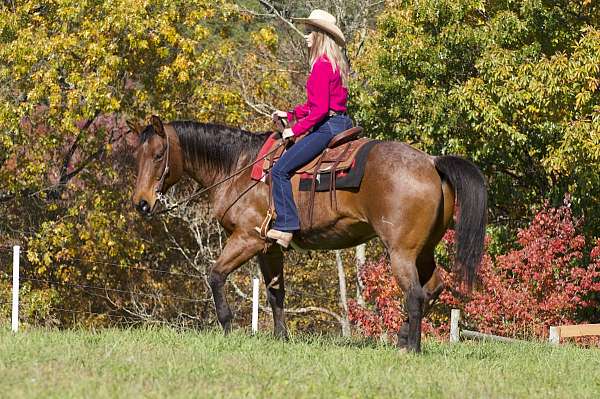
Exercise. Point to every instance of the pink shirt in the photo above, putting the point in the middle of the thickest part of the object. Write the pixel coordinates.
(324, 92)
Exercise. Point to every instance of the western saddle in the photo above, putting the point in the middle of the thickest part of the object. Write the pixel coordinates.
(337, 157)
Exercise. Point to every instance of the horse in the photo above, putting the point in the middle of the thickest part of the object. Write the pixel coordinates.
(407, 198)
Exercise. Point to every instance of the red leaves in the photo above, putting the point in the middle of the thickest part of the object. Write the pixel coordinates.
(383, 293)
(547, 281)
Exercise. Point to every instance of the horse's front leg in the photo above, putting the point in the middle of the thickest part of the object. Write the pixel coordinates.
(240, 247)
(271, 266)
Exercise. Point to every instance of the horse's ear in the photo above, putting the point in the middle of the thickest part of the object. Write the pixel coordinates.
(157, 125)
(134, 127)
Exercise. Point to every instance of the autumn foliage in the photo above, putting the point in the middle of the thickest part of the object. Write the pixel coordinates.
(549, 279)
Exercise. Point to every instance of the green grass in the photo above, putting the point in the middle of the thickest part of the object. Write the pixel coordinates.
(160, 363)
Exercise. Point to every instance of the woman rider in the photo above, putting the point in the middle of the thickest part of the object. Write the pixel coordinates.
(321, 117)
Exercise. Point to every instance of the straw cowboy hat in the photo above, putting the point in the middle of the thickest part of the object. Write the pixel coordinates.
(326, 22)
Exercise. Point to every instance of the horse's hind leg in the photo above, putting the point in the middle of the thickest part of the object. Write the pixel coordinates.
(433, 288)
(405, 271)
(271, 266)
(239, 248)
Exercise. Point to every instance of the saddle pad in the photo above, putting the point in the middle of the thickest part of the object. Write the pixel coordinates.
(257, 169)
(345, 179)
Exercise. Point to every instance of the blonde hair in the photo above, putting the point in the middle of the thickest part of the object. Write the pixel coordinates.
(323, 44)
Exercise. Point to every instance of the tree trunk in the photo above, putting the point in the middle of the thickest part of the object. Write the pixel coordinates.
(343, 294)
(361, 258)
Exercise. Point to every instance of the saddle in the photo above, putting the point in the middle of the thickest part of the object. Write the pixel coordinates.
(338, 155)
(337, 158)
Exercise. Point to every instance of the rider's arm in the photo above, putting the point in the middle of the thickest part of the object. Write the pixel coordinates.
(299, 112)
(317, 90)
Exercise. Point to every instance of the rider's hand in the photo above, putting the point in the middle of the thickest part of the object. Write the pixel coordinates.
(281, 114)
(287, 132)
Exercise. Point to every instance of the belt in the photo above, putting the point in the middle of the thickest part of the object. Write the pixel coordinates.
(334, 113)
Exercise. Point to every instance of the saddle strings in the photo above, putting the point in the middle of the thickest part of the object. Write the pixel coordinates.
(202, 191)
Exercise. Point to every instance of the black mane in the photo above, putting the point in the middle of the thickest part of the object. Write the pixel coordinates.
(213, 146)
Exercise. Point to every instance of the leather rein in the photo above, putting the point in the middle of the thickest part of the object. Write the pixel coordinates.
(161, 179)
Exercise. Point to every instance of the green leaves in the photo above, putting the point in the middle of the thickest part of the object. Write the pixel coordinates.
(514, 87)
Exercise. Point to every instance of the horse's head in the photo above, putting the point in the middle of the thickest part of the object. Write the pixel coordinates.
(159, 164)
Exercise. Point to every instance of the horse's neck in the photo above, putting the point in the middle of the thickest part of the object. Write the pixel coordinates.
(207, 177)
(204, 176)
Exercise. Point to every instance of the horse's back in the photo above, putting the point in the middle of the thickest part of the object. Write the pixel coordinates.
(402, 194)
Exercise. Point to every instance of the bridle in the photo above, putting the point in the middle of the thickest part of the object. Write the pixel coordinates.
(165, 172)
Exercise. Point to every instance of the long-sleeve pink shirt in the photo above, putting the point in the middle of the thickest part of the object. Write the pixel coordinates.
(324, 92)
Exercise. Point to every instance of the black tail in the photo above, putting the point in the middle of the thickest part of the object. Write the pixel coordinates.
(471, 195)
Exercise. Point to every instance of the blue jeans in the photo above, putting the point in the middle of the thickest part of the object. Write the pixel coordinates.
(299, 155)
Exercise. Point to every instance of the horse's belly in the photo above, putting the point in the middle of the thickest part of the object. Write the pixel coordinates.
(344, 234)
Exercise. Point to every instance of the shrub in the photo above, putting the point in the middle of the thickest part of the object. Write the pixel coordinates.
(548, 279)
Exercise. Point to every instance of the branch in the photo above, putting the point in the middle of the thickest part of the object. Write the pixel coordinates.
(271, 9)
(247, 101)
(65, 177)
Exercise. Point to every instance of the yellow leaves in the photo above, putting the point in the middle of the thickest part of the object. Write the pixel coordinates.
(183, 77)
(163, 52)
(169, 34)
(582, 98)
(84, 235)
(201, 32)
(266, 36)
(164, 74)
(593, 84)
(181, 63)
(47, 259)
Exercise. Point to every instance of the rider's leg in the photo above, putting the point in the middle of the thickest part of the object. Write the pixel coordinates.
(298, 155)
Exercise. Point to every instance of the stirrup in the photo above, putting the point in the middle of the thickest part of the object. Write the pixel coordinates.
(264, 226)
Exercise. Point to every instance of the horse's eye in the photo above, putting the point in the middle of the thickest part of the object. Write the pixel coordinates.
(159, 156)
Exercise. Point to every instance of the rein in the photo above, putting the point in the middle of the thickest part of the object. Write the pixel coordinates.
(202, 191)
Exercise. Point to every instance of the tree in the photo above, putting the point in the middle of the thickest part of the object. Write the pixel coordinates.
(71, 73)
(512, 86)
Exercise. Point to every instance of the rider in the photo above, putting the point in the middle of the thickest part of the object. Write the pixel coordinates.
(322, 116)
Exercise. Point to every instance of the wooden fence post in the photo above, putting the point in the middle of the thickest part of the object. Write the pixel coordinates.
(555, 335)
(454, 329)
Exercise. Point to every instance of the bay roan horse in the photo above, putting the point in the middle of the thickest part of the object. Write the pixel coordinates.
(407, 198)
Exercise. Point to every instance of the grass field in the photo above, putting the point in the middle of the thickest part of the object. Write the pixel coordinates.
(160, 363)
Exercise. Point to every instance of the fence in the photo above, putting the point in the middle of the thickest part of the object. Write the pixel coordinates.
(131, 319)
(17, 278)
(556, 332)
